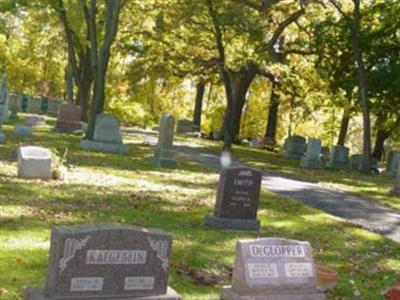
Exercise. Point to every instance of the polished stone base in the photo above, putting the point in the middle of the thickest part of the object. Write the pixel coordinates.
(36, 293)
(229, 294)
(232, 224)
(104, 147)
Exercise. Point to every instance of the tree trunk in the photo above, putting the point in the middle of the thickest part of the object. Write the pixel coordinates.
(381, 137)
(69, 76)
(363, 89)
(240, 82)
(100, 58)
(344, 127)
(201, 86)
(272, 121)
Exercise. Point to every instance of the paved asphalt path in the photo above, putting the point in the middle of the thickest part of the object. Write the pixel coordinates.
(356, 210)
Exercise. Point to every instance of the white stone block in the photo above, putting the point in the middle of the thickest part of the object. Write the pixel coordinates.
(34, 162)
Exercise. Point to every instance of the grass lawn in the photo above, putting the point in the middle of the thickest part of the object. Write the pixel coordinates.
(373, 187)
(127, 188)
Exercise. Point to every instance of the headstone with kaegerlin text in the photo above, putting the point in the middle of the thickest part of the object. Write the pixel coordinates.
(107, 261)
(237, 200)
(272, 269)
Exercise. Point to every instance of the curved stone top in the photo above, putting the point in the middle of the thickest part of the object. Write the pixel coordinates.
(34, 152)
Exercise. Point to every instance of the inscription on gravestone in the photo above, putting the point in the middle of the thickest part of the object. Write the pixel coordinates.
(107, 261)
(273, 268)
(237, 199)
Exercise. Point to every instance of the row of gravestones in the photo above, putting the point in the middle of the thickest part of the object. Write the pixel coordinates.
(33, 104)
(114, 261)
(314, 156)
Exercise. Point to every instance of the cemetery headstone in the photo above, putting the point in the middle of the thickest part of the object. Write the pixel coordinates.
(35, 121)
(54, 106)
(107, 136)
(24, 103)
(35, 105)
(295, 147)
(396, 190)
(355, 161)
(392, 164)
(339, 157)
(69, 118)
(3, 100)
(312, 159)
(13, 104)
(273, 269)
(44, 104)
(107, 261)
(2, 138)
(184, 126)
(164, 156)
(237, 200)
(34, 162)
(23, 130)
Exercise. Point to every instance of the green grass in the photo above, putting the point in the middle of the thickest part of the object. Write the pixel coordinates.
(127, 188)
(373, 187)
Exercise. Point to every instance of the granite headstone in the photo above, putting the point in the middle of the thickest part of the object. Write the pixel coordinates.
(69, 118)
(164, 156)
(107, 136)
(339, 157)
(392, 164)
(3, 100)
(312, 159)
(273, 269)
(237, 200)
(295, 147)
(107, 261)
(184, 126)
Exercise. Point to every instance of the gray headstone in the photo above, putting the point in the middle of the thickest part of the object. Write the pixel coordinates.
(34, 162)
(355, 161)
(108, 261)
(237, 200)
(273, 268)
(295, 147)
(23, 130)
(339, 157)
(311, 159)
(2, 138)
(107, 129)
(107, 136)
(393, 163)
(184, 126)
(164, 156)
(35, 120)
(396, 190)
(166, 129)
(3, 100)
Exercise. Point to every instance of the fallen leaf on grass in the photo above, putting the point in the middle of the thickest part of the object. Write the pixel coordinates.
(203, 277)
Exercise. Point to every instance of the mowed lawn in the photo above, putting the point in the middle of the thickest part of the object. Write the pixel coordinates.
(373, 187)
(127, 188)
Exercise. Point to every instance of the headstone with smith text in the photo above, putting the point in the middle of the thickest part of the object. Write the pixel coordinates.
(107, 261)
(237, 200)
(273, 269)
